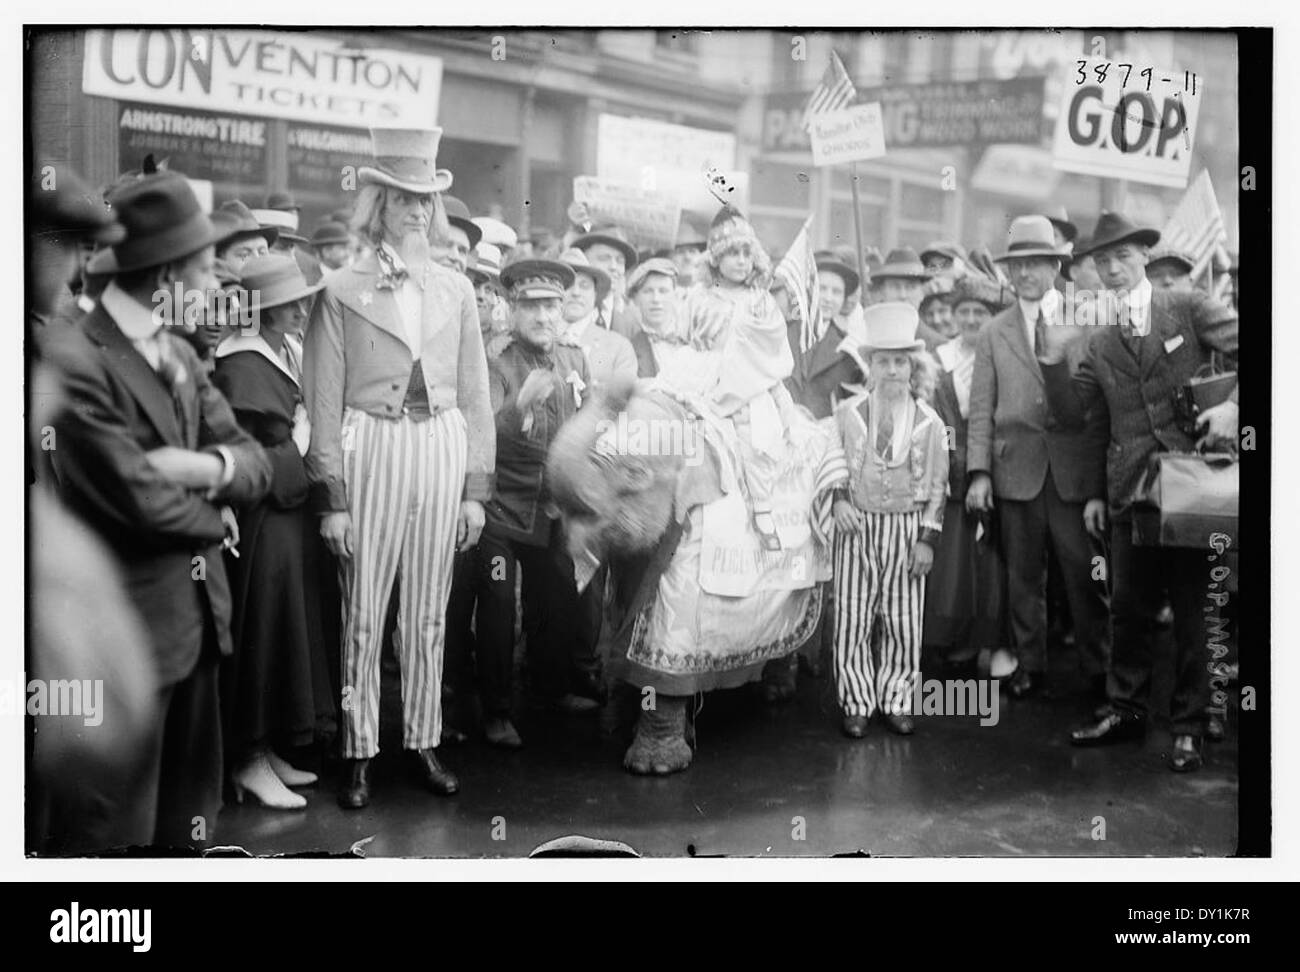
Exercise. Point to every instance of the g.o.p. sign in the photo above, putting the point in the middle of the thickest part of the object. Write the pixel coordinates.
(1128, 121)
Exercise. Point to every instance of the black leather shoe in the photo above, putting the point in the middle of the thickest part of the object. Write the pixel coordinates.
(900, 724)
(1215, 730)
(855, 727)
(355, 791)
(1186, 756)
(1113, 727)
(590, 685)
(437, 777)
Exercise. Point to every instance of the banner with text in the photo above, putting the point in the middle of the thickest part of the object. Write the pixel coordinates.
(927, 115)
(648, 217)
(199, 144)
(1128, 121)
(849, 135)
(299, 76)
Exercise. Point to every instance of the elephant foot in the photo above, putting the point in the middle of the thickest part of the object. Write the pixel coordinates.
(779, 675)
(660, 745)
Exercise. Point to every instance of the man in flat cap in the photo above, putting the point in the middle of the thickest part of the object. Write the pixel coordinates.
(402, 448)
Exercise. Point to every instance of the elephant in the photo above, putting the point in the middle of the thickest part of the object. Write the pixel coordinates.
(652, 483)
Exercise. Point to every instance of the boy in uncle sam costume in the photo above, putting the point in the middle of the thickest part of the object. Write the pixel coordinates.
(888, 516)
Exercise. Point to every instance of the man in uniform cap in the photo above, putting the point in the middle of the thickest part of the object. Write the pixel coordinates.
(401, 452)
(1123, 388)
(537, 383)
(150, 456)
(1048, 481)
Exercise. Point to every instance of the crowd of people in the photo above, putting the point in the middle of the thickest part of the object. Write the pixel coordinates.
(340, 461)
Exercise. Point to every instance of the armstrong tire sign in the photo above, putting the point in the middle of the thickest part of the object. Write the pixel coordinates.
(1128, 121)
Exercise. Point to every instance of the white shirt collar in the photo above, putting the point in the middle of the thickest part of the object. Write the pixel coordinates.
(398, 262)
(132, 319)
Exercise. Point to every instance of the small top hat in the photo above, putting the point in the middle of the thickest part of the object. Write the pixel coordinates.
(273, 280)
(406, 159)
(496, 232)
(283, 221)
(1115, 228)
(458, 216)
(536, 279)
(660, 265)
(1033, 236)
(234, 219)
(610, 236)
(846, 273)
(163, 222)
(902, 263)
(330, 232)
(891, 326)
(578, 260)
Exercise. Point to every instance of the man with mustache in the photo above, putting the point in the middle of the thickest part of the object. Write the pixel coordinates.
(402, 449)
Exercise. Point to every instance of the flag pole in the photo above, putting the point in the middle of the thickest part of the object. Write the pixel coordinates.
(857, 234)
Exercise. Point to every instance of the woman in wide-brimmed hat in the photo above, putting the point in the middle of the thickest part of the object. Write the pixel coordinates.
(965, 594)
(277, 693)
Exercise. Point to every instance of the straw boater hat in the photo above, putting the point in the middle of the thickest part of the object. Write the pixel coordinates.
(891, 326)
(486, 265)
(578, 260)
(1033, 236)
(272, 280)
(163, 221)
(535, 279)
(1115, 228)
(496, 232)
(406, 159)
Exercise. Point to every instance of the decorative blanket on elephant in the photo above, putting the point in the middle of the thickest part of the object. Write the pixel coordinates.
(723, 606)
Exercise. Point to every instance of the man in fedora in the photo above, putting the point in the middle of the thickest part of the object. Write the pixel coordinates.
(281, 213)
(402, 446)
(902, 277)
(149, 455)
(241, 236)
(332, 245)
(1123, 387)
(607, 248)
(454, 245)
(1048, 481)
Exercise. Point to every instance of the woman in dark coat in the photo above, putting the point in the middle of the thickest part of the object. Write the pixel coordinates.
(966, 599)
(277, 691)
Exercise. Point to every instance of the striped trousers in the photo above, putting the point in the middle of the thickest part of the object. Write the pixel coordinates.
(873, 584)
(404, 480)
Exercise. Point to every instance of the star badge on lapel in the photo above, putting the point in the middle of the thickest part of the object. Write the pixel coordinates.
(367, 298)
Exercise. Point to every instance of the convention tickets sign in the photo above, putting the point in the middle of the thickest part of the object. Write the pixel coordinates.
(849, 135)
(298, 76)
(648, 217)
(199, 144)
(936, 115)
(1128, 121)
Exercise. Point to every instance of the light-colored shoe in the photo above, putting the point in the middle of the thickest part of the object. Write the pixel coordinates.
(289, 775)
(257, 777)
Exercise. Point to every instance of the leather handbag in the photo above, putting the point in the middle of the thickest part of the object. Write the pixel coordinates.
(1209, 386)
(1187, 499)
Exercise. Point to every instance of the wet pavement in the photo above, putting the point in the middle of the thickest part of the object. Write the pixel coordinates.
(782, 781)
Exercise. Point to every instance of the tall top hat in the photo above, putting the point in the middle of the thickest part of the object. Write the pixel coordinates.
(406, 158)
(1033, 236)
(891, 326)
(163, 222)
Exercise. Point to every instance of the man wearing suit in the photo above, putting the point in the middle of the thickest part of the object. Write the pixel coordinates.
(821, 372)
(402, 446)
(1048, 481)
(148, 453)
(1124, 385)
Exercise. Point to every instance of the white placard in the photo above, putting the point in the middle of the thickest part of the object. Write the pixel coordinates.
(848, 135)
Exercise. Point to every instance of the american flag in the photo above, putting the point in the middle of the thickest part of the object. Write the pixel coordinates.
(835, 91)
(1196, 227)
(797, 272)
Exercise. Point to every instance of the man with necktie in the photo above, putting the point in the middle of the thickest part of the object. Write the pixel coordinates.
(1048, 481)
